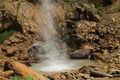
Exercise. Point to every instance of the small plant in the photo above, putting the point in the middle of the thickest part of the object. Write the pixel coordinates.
(99, 10)
(29, 77)
(17, 77)
(5, 35)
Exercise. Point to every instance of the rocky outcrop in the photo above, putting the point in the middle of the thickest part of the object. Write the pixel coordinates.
(77, 24)
(28, 19)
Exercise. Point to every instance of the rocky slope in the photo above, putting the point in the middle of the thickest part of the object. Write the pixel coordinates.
(88, 33)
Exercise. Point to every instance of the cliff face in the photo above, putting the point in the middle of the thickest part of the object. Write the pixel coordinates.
(27, 19)
(78, 24)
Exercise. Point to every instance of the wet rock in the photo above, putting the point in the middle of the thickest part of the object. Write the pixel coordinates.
(99, 74)
(82, 53)
(84, 70)
(79, 54)
(36, 51)
(85, 76)
(96, 56)
(116, 73)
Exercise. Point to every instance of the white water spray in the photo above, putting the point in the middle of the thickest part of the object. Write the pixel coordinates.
(57, 58)
(49, 33)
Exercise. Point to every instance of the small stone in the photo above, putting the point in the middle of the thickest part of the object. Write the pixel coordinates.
(96, 56)
(23, 56)
(84, 69)
(105, 52)
(13, 39)
(99, 62)
(110, 60)
(113, 19)
(10, 50)
(97, 18)
(6, 42)
(96, 69)
(85, 76)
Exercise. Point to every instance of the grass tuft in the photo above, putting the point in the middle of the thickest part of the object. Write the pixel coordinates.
(5, 35)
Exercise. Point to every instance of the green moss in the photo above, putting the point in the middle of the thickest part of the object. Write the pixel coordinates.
(17, 77)
(29, 77)
(5, 35)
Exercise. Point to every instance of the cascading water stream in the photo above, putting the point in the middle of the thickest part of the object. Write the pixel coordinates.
(57, 58)
(49, 32)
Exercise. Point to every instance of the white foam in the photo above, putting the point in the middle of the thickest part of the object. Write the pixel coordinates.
(53, 65)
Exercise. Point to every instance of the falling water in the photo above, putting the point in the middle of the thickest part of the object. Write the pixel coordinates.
(51, 40)
(57, 60)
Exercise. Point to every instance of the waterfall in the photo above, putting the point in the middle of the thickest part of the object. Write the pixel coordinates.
(57, 58)
(49, 32)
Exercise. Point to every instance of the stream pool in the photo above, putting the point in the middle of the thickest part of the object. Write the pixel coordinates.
(56, 65)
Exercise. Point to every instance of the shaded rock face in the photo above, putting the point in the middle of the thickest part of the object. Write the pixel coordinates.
(107, 2)
(28, 20)
(97, 34)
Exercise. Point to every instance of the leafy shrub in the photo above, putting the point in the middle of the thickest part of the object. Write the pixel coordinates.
(5, 35)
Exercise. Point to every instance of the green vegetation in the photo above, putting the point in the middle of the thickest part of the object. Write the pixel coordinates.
(5, 35)
(99, 10)
(19, 77)
(29, 77)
